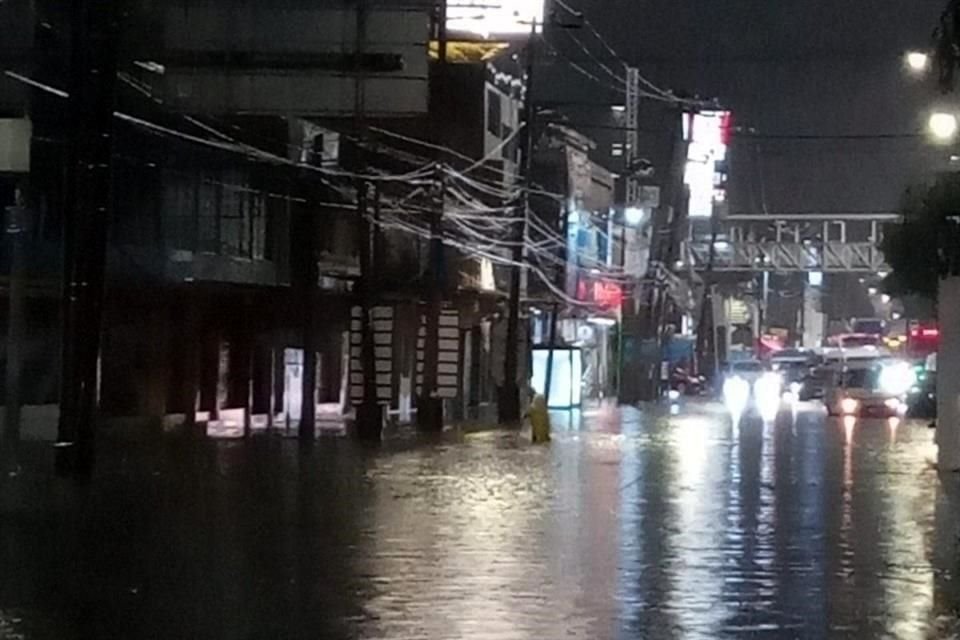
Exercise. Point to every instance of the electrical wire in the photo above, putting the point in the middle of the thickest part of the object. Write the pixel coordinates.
(600, 63)
(655, 92)
(587, 74)
(227, 143)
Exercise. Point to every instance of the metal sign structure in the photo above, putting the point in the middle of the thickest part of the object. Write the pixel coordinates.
(803, 242)
(831, 257)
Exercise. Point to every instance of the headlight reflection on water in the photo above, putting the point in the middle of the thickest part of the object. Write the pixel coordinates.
(736, 395)
(767, 391)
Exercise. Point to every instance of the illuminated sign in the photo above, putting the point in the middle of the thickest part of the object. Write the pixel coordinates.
(606, 295)
(487, 280)
(708, 136)
(488, 18)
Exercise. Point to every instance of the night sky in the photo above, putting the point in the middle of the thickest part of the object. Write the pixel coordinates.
(810, 68)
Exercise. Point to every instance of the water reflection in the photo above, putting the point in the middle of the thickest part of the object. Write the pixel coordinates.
(627, 526)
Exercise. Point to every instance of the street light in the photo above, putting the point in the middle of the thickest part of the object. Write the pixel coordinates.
(917, 61)
(943, 126)
(633, 216)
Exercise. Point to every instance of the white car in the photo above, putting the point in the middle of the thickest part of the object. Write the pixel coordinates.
(871, 390)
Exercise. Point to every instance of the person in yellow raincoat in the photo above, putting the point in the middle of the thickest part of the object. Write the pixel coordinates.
(539, 419)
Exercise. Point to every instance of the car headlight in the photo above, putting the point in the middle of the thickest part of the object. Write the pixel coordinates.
(897, 378)
(849, 405)
(736, 393)
(892, 403)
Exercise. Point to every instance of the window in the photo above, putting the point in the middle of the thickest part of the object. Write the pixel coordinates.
(616, 150)
(494, 112)
(216, 213)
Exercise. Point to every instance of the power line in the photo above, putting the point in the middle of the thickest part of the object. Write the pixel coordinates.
(654, 93)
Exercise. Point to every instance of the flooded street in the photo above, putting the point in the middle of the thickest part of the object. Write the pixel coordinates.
(632, 525)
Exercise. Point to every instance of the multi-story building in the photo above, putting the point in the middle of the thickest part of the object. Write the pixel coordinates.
(223, 226)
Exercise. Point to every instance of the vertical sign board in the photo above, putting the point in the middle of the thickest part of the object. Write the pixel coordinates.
(383, 353)
(448, 355)
(707, 134)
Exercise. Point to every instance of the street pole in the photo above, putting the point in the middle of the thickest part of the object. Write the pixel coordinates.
(509, 400)
(631, 199)
(430, 416)
(16, 329)
(430, 405)
(663, 243)
(555, 313)
(93, 70)
(369, 422)
(706, 305)
(369, 418)
(307, 275)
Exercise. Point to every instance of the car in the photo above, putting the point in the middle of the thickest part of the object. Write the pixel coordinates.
(748, 370)
(871, 390)
(750, 384)
(818, 380)
(794, 367)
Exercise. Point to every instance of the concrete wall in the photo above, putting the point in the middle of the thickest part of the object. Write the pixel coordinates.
(290, 57)
(948, 376)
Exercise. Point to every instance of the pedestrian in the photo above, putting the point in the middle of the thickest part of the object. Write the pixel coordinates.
(539, 419)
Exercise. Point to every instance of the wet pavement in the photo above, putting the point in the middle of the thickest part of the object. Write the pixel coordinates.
(630, 525)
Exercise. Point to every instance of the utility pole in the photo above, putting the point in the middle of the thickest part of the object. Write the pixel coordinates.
(93, 70)
(304, 240)
(509, 400)
(631, 199)
(430, 416)
(369, 419)
(632, 136)
(706, 326)
(369, 412)
(430, 405)
(17, 225)
(663, 245)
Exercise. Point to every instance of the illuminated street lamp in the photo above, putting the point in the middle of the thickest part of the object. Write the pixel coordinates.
(885, 299)
(943, 126)
(633, 216)
(917, 61)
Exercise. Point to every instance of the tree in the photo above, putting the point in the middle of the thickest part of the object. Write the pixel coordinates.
(946, 39)
(925, 245)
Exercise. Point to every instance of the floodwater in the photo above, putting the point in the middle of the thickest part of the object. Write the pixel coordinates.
(630, 525)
